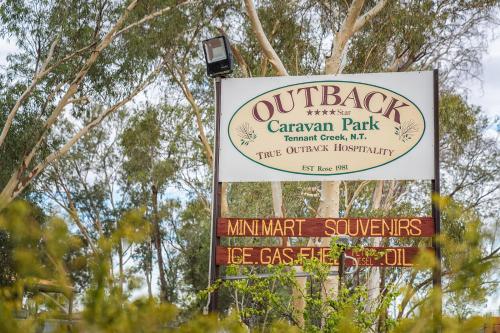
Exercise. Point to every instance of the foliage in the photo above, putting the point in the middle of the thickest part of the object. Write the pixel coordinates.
(105, 307)
(162, 148)
(264, 299)
(258, 300)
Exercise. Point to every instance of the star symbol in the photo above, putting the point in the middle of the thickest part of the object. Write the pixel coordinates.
(316, 112)
(325, 112)
(332, 112)
(309, 112)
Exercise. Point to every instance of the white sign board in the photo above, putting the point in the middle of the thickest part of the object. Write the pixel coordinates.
(344, 127)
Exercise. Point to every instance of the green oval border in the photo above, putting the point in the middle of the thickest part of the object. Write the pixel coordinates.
(325, 174)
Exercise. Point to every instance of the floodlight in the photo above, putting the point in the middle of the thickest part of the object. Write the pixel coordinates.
(218, 56)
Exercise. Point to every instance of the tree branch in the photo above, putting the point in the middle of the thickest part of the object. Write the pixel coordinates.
(65, 148)
(150, 17)
(68, 57)
(264, 43)
(361, 21)
(75, 84)
(342, 37)
(352, 24)
(180, 78)
(355, 195)
(38, 76)
(73, 213)
(16, 184)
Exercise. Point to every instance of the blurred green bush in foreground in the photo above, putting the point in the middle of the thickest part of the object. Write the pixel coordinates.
(39, 293)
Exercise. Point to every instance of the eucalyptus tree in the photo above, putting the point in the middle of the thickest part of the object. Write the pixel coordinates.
(128, 164)
(69, 75)
(149, 167)
(359, 36)
(367, 36)
(85, 186)
(73, 56)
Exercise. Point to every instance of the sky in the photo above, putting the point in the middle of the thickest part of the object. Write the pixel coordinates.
(6, 48)
(484, 92)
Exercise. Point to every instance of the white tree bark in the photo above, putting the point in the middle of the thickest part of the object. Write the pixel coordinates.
(329, 207)
(277, 199)
(180, 78)
(353, 22)
(342, 37)
(263, 41)
(330, 191)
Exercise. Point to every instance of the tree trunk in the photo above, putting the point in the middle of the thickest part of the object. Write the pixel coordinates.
(373, 283)
(277, 199)
(277, 193)
(6, 196)
(383, 291)
(157, 243)
(330, 191)
(224, 204)
(329, 207)
(147, 274)
(120, 264)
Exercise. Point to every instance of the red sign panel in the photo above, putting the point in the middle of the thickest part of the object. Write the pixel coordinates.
(369, 256)
(326, 227)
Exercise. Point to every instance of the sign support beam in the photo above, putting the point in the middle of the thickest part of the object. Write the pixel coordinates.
(216, 201)
(436, 274)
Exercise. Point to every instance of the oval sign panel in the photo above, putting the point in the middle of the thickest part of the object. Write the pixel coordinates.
(326, 127)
